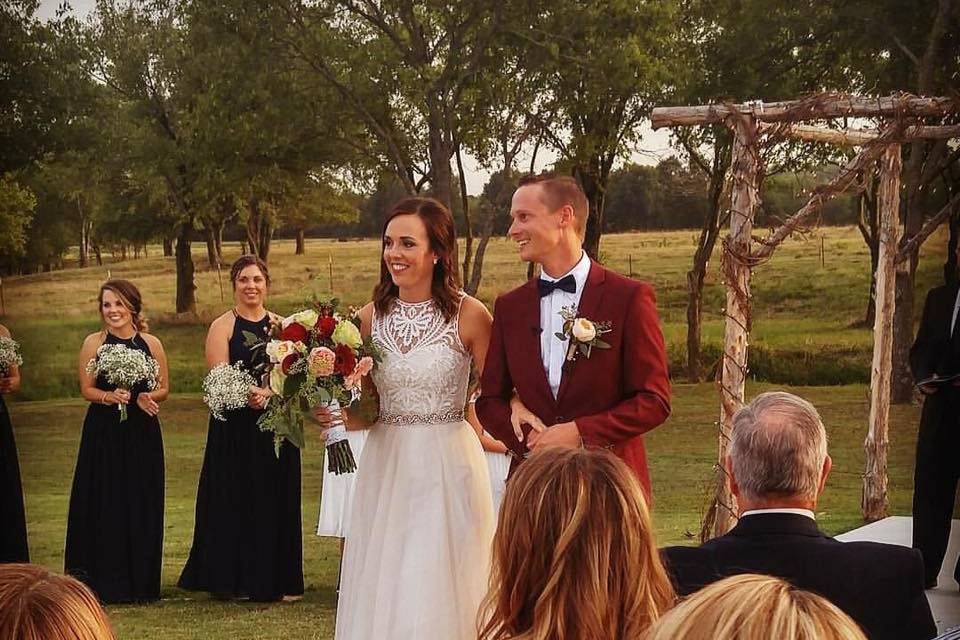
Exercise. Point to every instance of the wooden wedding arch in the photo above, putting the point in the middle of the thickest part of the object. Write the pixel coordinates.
(757, 125)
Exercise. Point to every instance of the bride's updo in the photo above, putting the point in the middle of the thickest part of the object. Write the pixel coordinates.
(443, 241)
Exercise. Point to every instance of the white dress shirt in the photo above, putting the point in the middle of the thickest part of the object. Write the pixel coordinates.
(552, 349)
(798, 512)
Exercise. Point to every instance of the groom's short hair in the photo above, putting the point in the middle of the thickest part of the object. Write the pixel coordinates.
(559, 190)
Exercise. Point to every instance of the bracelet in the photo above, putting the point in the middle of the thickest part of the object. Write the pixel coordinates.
(103, 400)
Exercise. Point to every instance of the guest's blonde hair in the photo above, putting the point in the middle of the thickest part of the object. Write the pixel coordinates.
(574, 556)
(37, 604)
(754, 607)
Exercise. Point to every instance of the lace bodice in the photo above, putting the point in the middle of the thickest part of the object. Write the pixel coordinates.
(425, 369)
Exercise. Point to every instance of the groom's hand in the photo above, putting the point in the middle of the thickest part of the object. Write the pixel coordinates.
(562, 434)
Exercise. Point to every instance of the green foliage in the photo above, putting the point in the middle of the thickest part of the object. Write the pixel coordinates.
(16, 211)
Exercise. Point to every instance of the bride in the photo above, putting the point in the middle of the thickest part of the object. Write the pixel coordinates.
(417, 555)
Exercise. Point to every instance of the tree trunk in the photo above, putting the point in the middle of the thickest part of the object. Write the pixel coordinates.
(440, 149)
(98, 254)
(468, 227)
(167, 247)
(874, 499)
(259, 229)
(745, 199)
(301, 243)
(477, 273)
(186, 288)
(84, 234)
(209, 236)
(595, 197)
(218, 241)
(701, 259)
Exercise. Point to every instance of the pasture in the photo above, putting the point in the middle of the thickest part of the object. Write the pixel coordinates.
(805, 314)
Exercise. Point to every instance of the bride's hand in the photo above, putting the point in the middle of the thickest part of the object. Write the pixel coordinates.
(323, 415)
(520, 415)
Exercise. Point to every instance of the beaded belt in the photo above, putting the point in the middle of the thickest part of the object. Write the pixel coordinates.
(406, 419)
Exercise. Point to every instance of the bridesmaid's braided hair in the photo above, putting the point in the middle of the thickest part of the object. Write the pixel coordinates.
(130, 297)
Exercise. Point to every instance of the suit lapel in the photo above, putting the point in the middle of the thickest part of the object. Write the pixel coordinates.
(531, 352)
(589, 306)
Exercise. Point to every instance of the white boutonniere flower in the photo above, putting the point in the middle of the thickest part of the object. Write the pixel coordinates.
(583, 334)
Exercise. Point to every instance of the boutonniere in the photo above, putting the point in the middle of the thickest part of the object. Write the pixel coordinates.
(583, 334)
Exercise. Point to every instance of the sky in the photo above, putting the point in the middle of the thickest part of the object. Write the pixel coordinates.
(653, 145)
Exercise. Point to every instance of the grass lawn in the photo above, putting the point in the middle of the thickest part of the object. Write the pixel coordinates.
(681, 454)
(802, 333)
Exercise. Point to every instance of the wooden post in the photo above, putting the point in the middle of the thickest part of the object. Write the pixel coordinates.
(823, 253)
(330, 268)
(737, 248)
(874, 499)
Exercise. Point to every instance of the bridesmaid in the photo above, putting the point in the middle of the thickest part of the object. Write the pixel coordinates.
(115, 524)
(13, 531)
(247, 539)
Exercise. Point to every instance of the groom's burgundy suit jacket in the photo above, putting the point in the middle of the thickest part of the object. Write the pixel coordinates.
(615, 395)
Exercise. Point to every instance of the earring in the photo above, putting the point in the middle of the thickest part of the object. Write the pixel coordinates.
(434, 261)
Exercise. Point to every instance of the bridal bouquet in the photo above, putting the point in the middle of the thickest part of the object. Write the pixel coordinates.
(226, 387)
(124, 368)
(317, 357)
(9, 355)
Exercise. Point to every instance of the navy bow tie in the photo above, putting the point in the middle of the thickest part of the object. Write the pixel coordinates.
(566, 283)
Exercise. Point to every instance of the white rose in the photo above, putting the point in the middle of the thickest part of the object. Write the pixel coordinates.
(276, 380)
(277, 350)
(583, 330)
(307, 318)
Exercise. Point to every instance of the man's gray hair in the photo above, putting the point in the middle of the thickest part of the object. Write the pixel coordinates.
(777, 447)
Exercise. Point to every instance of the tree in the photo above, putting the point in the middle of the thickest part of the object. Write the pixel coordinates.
(403, 67)
(735, 51)
(320, 202)
(605, 66)
(17, 205)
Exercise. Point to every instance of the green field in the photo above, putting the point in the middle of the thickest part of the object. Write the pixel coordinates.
(804, 311)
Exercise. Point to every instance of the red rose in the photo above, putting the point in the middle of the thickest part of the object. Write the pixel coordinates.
(295, 332)
(325, 326)
(346, 360)
(288, 362)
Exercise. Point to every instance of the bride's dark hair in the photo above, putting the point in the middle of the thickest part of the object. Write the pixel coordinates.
(445, 286)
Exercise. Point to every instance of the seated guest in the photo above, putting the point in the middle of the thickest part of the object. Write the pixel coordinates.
(36, 604)
(778, 465)
(574, 556)
(752, 607)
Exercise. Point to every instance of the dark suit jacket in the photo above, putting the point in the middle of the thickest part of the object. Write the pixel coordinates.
(878, 585)
(615, 395)
(935, 352)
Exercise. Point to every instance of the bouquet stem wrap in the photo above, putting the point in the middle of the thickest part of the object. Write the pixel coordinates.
(122, 408)
(339, 455)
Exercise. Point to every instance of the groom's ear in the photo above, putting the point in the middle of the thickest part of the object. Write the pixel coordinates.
(567, 218)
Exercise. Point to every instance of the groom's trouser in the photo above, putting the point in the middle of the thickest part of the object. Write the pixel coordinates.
(935, 479)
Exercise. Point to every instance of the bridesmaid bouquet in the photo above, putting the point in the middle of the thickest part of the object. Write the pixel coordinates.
(317, 357)
(124, 368)
(226, 387)
(9, 355)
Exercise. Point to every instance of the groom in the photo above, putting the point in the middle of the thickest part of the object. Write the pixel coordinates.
(604, 397)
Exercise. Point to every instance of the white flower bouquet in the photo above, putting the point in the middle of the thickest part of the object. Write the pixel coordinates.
(9, 355)
(124, 368)
(226, 387)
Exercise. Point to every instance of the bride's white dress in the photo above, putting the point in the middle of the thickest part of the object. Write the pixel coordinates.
(417, 558)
